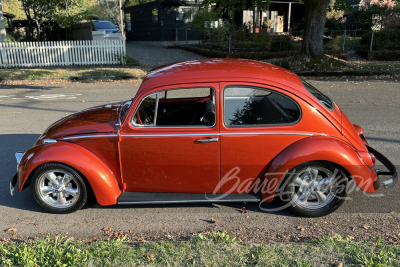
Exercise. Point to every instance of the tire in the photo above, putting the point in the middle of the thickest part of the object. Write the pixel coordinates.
(58, 188)
(314, 189)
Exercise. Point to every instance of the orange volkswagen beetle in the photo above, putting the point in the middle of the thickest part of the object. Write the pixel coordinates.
(213, 130)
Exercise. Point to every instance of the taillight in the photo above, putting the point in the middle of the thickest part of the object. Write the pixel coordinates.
(372, 156)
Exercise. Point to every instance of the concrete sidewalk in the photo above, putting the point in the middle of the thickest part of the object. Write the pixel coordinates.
(152, 56)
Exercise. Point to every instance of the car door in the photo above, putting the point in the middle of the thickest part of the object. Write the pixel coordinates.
(172, 142)
(257, 124)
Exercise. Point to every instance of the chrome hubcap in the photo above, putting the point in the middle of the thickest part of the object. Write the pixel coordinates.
(314, 187)
(58, 188)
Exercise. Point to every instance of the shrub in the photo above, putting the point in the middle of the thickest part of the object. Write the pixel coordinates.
(282, 45)
(386, 39)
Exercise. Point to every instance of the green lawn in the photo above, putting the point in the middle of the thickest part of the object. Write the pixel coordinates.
(218, 250)
(67, 72)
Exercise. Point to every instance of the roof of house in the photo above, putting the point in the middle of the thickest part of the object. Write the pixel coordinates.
(220, 70)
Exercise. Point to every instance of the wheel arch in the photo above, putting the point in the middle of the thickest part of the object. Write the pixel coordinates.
(101, 179)
(327, 149)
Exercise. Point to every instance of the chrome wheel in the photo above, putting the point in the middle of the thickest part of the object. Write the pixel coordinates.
(314, 187)
(58, 188)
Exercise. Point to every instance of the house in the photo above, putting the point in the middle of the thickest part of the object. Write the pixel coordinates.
(285, 15)
(159, 23)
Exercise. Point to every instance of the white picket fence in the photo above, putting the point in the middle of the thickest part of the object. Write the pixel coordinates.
(61, 53)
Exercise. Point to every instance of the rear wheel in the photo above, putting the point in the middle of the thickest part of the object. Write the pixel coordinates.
(58, 188)
(315, 189)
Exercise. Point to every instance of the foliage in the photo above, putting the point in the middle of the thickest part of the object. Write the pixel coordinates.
(334, 24)
(282, 45)
(385, 39)
(374, 15)
(216, 249)
(14, 7)
(334, 12)
(202, 18)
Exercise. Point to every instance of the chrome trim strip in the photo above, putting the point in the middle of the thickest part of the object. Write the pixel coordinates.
(186, 201)
(19, 156)
(268, 133)
(177, 135)
(205, 134)
(166, 135)
(49, 141)
(89, 136)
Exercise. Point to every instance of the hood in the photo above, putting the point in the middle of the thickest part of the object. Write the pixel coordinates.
(100, 119)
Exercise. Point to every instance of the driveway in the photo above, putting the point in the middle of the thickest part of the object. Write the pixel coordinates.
(152, 56)
(27, 110)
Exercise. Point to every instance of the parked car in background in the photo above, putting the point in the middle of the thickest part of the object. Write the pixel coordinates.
(105, 25)
(212, 130)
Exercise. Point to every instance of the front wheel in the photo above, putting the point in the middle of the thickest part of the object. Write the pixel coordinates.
(58, 188)
(315, 189)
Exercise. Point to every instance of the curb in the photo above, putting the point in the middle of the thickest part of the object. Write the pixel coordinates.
(75, 78)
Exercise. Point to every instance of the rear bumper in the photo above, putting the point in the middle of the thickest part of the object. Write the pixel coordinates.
(392, 171)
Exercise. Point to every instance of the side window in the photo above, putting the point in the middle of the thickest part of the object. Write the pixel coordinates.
(186, 107)
(144, 115)
(177, 108)
(246, 106)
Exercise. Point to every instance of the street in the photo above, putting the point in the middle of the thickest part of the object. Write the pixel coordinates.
(27, 110)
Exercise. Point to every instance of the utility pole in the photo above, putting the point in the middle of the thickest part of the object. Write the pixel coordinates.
(120, 17)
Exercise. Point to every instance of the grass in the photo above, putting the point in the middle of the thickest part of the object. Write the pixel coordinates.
(217, 249)
(67, 72)
(328, 63)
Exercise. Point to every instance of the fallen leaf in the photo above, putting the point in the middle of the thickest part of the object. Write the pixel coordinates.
(83, 101)
(366, 226)
(213, 220)
(12, 229)
(351, 237)
(6, 239)
(301, 228)
(244, 210)
(252, 255)
(338, 264)
(107, 229)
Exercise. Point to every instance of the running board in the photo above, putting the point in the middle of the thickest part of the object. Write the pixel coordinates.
(127, 198)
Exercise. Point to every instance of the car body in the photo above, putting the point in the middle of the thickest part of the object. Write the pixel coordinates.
(206, 131)
(105, 25)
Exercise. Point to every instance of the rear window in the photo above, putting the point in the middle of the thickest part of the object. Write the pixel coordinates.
(324, 99)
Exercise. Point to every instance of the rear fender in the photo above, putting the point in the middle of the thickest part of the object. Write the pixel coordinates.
(319, 148)
(99, 176)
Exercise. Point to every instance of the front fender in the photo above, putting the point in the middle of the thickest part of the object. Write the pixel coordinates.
(99, 176)
(320, 148)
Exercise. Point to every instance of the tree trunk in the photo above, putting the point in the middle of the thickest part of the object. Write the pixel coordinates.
(314, 23)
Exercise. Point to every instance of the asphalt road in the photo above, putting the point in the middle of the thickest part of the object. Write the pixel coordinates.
(27, 110)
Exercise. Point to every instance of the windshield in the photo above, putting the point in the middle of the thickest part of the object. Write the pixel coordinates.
(104, 25)
(325, 100)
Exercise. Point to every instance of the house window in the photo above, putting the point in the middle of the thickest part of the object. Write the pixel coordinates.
(154, 16)
(128, 26)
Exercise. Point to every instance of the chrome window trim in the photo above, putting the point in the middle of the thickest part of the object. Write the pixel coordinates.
(139, 125)
(172, 127)
(258, 125)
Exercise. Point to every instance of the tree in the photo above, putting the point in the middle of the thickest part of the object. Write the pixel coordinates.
(14, 7)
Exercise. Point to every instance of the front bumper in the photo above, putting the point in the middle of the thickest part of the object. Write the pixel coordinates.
(14, 180)
(392, 171)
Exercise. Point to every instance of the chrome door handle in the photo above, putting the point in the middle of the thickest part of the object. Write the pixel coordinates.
(208, 140)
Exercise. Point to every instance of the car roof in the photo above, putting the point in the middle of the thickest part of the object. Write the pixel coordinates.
(220, 70)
